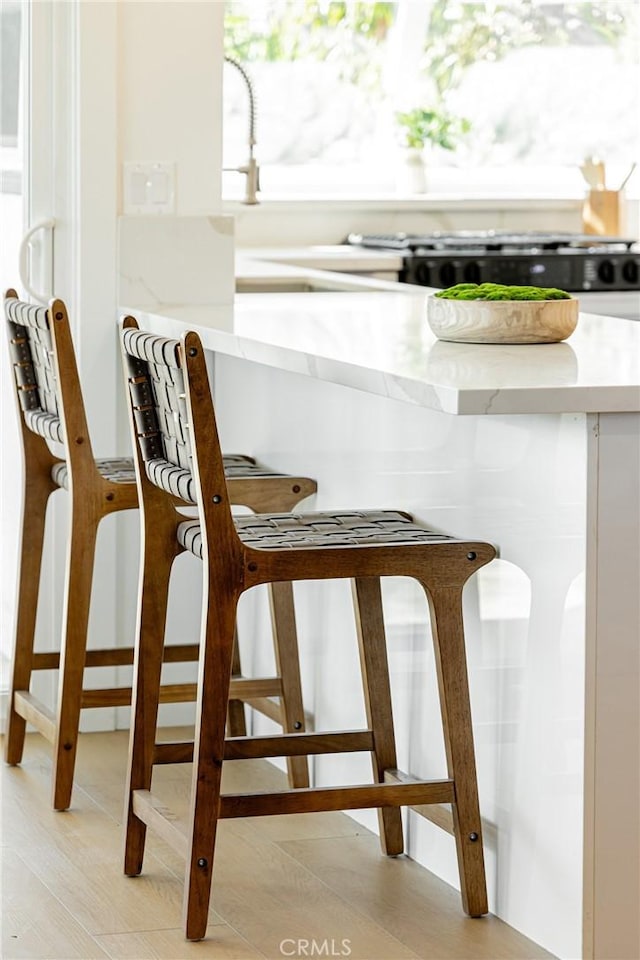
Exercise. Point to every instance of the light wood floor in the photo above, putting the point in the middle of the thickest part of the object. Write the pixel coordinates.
(277, 881)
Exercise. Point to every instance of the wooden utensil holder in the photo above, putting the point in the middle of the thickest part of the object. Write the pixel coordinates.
(602, 212)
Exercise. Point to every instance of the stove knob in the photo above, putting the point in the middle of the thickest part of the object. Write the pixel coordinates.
(631, 271)
(423, 274)
(606, 271)
(447, 274)
(471, 272)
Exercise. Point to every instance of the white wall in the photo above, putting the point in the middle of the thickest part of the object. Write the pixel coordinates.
(169, 94)
(169, 81)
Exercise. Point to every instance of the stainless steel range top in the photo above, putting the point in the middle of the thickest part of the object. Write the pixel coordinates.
(572, 261)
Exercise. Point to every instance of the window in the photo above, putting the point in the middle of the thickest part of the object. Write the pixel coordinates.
(542, 85)
(11, 228)
(11, 153)
(9, 72)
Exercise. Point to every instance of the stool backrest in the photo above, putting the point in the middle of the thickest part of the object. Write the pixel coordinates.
(174, 424)
(158, 404)
(31, 352)
(46, 374)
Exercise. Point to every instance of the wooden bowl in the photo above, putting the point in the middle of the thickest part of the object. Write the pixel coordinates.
(502, 321)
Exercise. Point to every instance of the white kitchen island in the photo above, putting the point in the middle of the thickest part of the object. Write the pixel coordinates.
(534, 448)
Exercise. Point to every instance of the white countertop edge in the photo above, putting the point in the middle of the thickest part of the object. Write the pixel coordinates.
(569, 399)
(600, 398)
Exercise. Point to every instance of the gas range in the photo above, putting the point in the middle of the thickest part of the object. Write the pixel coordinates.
(571, 261)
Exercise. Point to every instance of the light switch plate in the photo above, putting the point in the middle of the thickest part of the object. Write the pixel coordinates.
(149, 188)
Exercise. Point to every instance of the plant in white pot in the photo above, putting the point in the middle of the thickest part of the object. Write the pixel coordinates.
(422, 129)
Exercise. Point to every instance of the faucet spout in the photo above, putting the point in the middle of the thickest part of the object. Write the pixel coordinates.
(250, 168)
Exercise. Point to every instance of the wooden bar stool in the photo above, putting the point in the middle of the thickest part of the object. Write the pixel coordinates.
(52, 411)
(274, 548)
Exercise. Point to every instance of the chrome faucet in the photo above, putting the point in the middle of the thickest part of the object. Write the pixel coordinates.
(250, 168)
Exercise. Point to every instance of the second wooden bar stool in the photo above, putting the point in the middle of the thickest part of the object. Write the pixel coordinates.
(240, 553)
(51, 411)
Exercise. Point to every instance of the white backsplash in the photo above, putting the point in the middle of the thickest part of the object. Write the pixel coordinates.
(167, 260)
(300, 223)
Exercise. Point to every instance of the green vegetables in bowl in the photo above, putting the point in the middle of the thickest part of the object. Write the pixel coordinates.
(501, 291)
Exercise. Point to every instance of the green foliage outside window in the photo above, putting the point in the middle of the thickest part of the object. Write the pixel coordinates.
(459, 33)
(421, 127)
(308, 29)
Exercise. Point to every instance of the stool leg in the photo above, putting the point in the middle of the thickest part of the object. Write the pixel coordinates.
(75, 619)
(236, 720)
(285, 642)
(216, 658)
(160, 551)
(377, 697)
(445, 604)
(36, 496)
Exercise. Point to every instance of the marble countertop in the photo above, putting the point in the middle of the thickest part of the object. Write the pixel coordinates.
(378, 341)
(324, 257)
(318, 267)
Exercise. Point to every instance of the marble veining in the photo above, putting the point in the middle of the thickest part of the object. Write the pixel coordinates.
(166, 259)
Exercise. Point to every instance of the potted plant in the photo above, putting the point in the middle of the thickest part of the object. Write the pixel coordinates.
(502, 313)
(421, 128)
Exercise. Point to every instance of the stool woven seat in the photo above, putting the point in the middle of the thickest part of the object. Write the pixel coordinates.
(243, 552)
(122, 470)
(51, 411)
(118, 470)
(286, 531)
